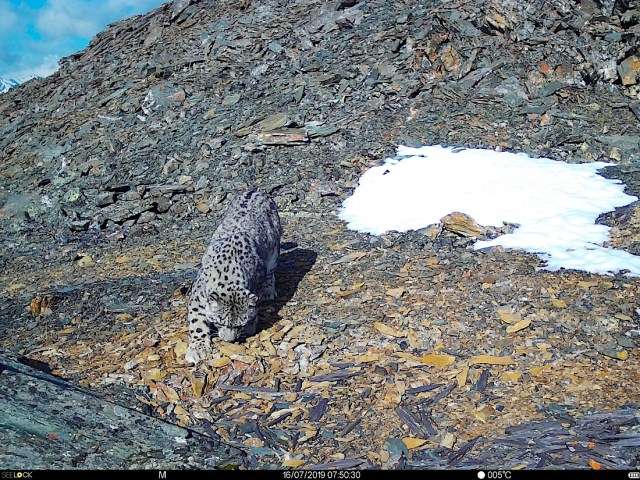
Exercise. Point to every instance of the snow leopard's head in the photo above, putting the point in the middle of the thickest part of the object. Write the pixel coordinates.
(235, 312)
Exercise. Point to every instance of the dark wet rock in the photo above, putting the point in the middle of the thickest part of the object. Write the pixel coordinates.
(512, 92)
(51, 423)
(623, 142)
(179, 6)
(635, 108)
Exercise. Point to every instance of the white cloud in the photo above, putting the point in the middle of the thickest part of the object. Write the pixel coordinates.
(8, 17)
(61, 18)
(119, 5)
(43, 69)
(64, 18)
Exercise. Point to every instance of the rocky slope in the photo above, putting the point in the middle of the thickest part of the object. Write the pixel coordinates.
(115, 169)
(67, 415)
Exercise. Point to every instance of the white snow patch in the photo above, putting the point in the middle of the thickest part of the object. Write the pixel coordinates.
(554, 203)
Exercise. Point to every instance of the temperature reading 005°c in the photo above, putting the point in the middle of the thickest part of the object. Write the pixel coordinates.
(499, 475)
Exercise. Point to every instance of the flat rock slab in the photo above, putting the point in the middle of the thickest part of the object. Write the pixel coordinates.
(47, 422)
(607, 440)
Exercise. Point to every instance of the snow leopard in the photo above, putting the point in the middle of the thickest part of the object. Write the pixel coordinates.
(237, 272)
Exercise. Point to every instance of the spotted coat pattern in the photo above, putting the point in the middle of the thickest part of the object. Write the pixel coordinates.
(237, 272)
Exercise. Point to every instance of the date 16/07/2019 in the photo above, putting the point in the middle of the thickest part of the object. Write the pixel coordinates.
(322, 474)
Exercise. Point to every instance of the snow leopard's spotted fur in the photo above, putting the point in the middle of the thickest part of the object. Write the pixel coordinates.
(237, 272)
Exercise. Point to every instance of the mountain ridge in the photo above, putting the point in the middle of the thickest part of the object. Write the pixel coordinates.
(7, 83)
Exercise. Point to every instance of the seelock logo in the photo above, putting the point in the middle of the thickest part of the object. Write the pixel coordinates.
(16, 475)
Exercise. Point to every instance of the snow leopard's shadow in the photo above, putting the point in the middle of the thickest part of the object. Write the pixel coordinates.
(293, 265)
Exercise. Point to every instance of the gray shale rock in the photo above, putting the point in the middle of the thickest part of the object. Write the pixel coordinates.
(47, 422)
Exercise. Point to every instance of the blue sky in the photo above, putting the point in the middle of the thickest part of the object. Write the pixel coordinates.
(34, 34)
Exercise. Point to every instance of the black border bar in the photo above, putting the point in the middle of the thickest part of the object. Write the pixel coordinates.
(301, 474)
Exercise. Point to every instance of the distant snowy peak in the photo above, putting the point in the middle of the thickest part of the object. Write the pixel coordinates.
(7, 83)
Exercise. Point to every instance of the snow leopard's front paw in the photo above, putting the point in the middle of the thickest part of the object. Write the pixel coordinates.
(198, 352)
